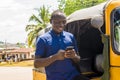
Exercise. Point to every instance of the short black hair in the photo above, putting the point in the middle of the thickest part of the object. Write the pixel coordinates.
(58, 13)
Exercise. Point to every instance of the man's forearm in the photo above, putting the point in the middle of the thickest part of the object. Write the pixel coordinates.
(43, 62)
(76, 58)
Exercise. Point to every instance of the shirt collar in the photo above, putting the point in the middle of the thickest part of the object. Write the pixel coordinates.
(54, 34)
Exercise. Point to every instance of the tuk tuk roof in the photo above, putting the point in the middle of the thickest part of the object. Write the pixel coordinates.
(86, 13)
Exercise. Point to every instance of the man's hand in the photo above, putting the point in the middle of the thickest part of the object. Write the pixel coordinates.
(70, 53)
(59, 55)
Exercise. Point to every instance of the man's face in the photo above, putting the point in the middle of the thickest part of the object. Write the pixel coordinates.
(58, 24)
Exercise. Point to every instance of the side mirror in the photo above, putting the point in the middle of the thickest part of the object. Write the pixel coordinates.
(97, 22)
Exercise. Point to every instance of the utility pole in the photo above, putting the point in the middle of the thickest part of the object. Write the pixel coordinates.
(5, 44)
(5, 56)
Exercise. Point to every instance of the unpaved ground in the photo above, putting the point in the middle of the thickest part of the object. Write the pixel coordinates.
(16, 73)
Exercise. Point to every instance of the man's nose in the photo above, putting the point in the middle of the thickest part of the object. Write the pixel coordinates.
(62, 24)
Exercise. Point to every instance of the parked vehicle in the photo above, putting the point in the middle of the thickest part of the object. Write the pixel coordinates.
(97, 31)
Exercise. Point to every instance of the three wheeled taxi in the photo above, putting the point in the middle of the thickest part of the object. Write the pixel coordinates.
(97, 31)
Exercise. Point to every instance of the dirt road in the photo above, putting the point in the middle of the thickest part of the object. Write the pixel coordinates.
(16, 73)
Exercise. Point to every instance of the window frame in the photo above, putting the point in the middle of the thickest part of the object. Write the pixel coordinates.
(113, 30)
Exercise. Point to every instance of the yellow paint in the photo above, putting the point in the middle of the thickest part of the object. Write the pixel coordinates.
(114, 58)
(95, 79)
(38, 75)
(115, 73)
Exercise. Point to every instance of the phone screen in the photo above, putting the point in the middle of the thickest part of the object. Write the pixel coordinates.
(69, 48)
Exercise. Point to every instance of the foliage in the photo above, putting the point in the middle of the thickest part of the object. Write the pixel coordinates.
(69, 6)
(21, 45)
(41, 20)
(1, 42)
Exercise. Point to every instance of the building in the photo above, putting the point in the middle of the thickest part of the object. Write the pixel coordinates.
(17, 54)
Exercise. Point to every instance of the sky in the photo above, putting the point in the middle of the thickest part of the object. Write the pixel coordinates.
(14, 16)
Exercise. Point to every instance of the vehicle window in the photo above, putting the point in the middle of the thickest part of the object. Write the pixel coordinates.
(116, 28)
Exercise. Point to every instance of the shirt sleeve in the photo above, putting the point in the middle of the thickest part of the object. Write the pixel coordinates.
(40, 47)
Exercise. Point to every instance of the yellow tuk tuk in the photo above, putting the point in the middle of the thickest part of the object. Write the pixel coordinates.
(97, 31)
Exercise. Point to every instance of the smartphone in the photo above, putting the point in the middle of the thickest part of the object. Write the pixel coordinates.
(69, 48)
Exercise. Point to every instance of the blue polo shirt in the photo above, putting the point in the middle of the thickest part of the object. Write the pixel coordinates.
(49, 44)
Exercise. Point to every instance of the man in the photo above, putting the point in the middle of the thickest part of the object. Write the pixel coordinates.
(51, 51)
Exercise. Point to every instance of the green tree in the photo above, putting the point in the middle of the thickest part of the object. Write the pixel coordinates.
(69, 6)
(41, 20)
(21, 45)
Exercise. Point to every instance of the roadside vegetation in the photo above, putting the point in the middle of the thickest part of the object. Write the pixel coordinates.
(28, 63)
